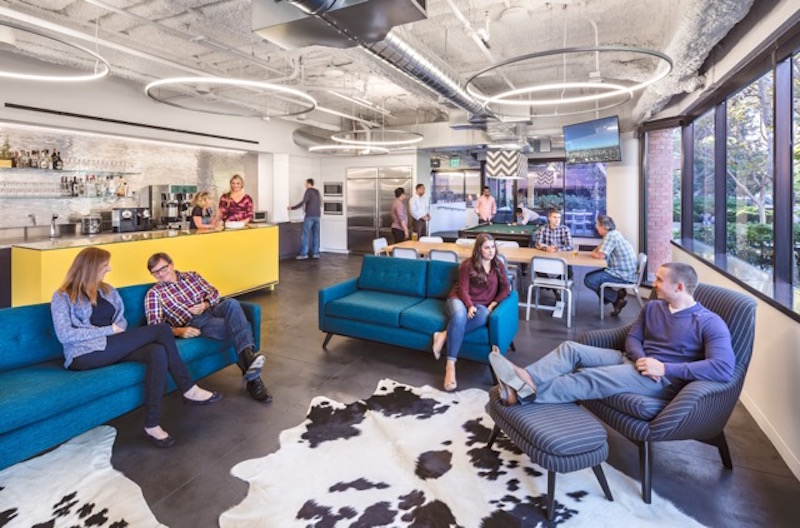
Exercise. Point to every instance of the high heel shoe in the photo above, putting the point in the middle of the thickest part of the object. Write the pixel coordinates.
(439, 339)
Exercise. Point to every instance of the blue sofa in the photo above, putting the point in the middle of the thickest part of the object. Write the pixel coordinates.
(42, 404)
(402, 302)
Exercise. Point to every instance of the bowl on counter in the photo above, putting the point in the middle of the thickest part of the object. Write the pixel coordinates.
(234, 224)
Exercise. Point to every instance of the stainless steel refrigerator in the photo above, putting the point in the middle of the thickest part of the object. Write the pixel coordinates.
(370, 193)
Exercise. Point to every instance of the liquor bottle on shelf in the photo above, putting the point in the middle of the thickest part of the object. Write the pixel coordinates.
(44, 159)
(58, 164)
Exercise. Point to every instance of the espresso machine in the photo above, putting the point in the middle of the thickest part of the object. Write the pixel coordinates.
(169, 204)
(130, 219)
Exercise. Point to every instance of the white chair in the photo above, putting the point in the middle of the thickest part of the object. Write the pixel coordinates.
(506, 243)
(465, 242)
(511, 273)
(634, 286)
(406, 253)
(431, 239)
(557, 278)
(443, 255)
(378, 244)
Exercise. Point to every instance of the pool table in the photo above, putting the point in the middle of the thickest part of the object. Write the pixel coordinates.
(516, 233)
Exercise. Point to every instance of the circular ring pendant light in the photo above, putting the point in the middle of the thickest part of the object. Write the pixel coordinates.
(604, 90)
(198, 87)
(349, 150)
(102, 67)
(378, 138)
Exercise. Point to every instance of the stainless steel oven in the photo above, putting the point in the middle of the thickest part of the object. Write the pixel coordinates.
(332, 207)
(333, 189)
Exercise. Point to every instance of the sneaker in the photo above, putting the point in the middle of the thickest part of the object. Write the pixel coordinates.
(301, 257)
(315, 256)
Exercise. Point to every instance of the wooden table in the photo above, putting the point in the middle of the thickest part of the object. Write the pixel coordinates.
(521, 255)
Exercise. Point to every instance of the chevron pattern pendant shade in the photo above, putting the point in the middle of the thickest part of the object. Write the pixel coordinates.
(508, 164)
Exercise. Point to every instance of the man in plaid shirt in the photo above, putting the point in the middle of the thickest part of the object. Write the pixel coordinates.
(621, 264)
(554, 236)
(193, 307)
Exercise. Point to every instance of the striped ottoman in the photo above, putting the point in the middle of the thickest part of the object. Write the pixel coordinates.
(558, 437)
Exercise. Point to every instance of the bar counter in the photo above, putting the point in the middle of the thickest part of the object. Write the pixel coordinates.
(234, 260)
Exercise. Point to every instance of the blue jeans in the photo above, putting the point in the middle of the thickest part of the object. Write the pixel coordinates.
(459, 325)
(575, 372)
(594, 279)
(223, 320)
(310, 230)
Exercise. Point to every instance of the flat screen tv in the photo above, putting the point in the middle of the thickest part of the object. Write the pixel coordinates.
(593, 141)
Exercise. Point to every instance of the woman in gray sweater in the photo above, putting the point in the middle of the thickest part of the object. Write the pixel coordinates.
(88, 316)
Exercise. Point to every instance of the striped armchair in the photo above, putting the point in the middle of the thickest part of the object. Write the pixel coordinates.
(701, 409)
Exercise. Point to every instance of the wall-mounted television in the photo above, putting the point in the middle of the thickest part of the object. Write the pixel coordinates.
(593, 141)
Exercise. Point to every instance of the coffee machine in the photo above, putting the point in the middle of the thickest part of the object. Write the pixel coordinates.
(169, 204)
(130, 219)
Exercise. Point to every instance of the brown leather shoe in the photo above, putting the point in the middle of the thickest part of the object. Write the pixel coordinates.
(258, 391)
(619, 304)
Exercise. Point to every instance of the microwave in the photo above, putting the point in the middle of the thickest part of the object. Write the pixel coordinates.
(260, 217)
(333, 189)
(332, 207)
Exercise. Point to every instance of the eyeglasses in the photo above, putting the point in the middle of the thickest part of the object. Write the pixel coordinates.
(160, 271)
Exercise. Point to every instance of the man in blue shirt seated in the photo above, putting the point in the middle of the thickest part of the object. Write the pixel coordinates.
(675, 340)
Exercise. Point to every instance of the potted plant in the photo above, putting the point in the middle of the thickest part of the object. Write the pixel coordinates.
(5, 155)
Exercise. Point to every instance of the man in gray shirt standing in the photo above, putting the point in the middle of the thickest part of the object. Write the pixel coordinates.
(312, 204)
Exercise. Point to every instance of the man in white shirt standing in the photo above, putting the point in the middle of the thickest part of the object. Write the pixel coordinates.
(420, 206)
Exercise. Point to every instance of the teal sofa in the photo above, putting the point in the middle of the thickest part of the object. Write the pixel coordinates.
(42, 404)
(403, 302)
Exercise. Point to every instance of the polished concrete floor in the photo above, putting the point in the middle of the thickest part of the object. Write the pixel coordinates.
(190, 485)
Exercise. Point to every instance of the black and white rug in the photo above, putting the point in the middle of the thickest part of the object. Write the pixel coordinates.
(73, 486)
(417, 457)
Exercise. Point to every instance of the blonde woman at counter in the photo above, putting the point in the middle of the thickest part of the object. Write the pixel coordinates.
(90, 324)
(235, 205)
(202, 217)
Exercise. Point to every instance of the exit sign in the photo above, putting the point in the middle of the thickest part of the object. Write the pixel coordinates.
(455, 162)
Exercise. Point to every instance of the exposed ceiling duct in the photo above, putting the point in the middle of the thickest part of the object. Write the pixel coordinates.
(344, 23)
(293, 24)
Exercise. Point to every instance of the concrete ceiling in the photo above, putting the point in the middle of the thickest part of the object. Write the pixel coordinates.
(145, 40)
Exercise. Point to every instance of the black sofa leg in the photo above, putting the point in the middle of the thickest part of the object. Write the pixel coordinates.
(646, 469)
(512, 347)
(493, 436)
(327, 339)
(551, 494)
(601, 478)
(494, 378)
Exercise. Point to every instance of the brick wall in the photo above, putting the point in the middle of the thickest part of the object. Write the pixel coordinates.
(662, 163)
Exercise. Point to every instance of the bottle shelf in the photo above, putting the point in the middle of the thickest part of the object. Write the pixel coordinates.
(65, 172)
(55, 196)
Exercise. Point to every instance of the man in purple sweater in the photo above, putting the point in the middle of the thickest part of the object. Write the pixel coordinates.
(675, 340)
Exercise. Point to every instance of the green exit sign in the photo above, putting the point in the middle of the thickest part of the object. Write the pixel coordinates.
(455, 162)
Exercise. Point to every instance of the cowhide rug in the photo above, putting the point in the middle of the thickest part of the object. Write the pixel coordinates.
(73, 486)
(417, 457)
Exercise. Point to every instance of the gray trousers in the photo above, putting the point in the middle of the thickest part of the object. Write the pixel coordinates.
(574, 372)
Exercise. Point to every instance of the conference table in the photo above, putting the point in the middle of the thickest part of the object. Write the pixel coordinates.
(514, 255)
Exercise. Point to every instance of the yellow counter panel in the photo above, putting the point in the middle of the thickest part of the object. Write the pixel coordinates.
(234, 261)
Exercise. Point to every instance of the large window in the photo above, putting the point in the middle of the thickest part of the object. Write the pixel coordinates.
(795, 269)
(703, 218)
(749, 184)
(579, 191)
(745, 214)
